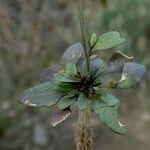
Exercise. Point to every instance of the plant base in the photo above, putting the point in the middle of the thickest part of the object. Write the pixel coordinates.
(83, 131)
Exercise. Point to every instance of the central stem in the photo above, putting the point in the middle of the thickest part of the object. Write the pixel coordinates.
(85, 39)
(83, 130)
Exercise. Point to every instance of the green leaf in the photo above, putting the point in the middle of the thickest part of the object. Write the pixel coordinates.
(97, 80)
(70, 75)
(63, 78)
(112, 85)
(64, 83)
(109, 40)
(72, 54)
(132, 74)
(109, 116)
(65, 102)
(98, 90)
(82, 68)
(73, 92)
(93, 39)
(97, 104)
(40, 95)
(71, 69)
(109, 99)
(64, 86)
(82, 102)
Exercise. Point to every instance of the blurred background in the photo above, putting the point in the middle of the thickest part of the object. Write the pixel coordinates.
(33, 36)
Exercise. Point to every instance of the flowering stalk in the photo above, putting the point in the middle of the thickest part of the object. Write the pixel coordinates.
(85, 39)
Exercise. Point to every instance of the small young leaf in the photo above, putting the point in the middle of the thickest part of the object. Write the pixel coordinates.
(94, 56)
(109, 40)
(93, 39)
(63, 78)
(98, 90)
(82, 68)
(132, 74)
(40, 95)
(71, 69)
(72, 54)
(82, 102)
(64, 83)
(97, 80)
(70, 75)
(59, 116)
(65, 102)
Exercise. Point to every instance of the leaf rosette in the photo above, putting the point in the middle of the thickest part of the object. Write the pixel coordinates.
(75, 84)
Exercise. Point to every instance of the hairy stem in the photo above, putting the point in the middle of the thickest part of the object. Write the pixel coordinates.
(83, 28)
(83, 131)
(83, 127)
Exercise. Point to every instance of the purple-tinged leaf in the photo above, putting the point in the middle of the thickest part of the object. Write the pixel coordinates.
(132, 74)
(59, 116)
(97, 66)
(47, 74)
(117, 62)
(72, 54)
